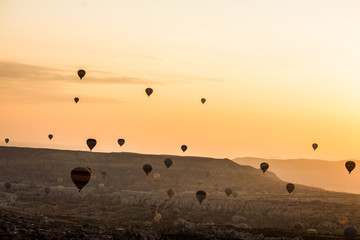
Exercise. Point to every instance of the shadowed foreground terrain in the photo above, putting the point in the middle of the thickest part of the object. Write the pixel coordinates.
(121, 210)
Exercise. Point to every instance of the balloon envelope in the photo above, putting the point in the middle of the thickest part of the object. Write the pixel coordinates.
(81, 73)
(156, 176)
(147, 168)
(183, 148)
(228, 191)
(200, 195)
(76, 99)
(315, 146)
(50, 136)
(264, 166)
(47, 190)
(290, 187)
(103, 174)
(168, 162)
(170, 193)
(60, 187)
(157, 217)
(149, 91)
(154, 208)
(80, 176)
(6, 140)
(350, 165)
(91, 143)
(203, 100)
(101, 185)
(121, 141)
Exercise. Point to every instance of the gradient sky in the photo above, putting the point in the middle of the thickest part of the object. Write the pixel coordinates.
(277, 76)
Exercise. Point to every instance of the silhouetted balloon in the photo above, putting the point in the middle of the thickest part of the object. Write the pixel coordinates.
(6, 140)
(183, 148)
(76, 99)
(147, 168)
(228, 191)
(103, 174)
(81, 73)
(50, 136)
(350, 232)
(80, 176)
(264, 166)
(168, 162)
(91, 143)
(121, 141)
(47, 190)
(315, 146)
(203, 100)
(149, 91)
(290, 187)
(7, 185)
(200, 195)
(170, 193)
(350, 165)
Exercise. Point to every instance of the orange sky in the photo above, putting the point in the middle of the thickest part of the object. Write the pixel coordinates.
(277, 76)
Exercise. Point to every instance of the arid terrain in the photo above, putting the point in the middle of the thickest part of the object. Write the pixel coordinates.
(260, 209)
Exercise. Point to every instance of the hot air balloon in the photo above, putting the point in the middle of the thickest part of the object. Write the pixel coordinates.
(7, 185)
(47, 190)
(101, 185)
(157, 217)
(203, 100)
(290, 187)
(200, 195)
(149, 91)
(91, 143)
(76, 99)
(350, 232)
(183, 148)
(343, 221)
(264, 166)
(121, 141)
(168, 162)
(6, 140)
(350, 165)
(147, 168)
(170, 193)
(60, 187)
(315, 146)
(156, 176)
(81, 73)
(53, 206)
(228, 191)
(50, 136)
(80, 176)
(103, 174)
(154, 208)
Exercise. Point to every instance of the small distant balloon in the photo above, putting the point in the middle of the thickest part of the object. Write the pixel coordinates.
(50, 136)
(350, 165)
(60, 187)
(81, 73)
(200, 195)
(168, 162)
(7, 185)
(350, 232)
(170, 193)
(103, 174)
(343, 221)
(6, 140)
(315, 146)
(228, 191)
(157, 217)
(183, 148)
(154, 208)
(91, 143)
(264, 166)
(156, 176)
(80, 176)
(147, 168)
(149, 91)
(76, 100)
(47, 190)
(290, 187)
(121, 141)
(203, 100)
(101, 186)
(53, 206)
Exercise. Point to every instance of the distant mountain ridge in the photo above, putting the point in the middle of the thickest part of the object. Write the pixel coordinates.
(330, 175)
